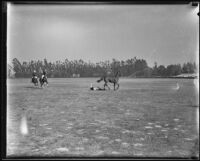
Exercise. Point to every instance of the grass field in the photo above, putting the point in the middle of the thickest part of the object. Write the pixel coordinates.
(144, 118)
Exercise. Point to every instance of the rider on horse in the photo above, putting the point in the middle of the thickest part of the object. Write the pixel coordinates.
(34, 75)
(34, 79)
(44, 75)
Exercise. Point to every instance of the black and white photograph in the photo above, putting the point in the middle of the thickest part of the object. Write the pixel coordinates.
(102, 80)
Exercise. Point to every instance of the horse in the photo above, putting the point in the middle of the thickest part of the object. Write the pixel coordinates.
(35, 81)
(109, 79)
(43, 81)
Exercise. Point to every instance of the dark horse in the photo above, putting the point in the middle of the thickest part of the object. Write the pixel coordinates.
(43, 81)
(35, 81)
(109, 79)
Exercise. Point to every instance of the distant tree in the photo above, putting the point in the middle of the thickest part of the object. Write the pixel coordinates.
(140, 64)
(147, 72)
(189, 67)
(161, 71)
(155, 69)
(17, 65)
(115, 66)
(129, 67)
(173, 70)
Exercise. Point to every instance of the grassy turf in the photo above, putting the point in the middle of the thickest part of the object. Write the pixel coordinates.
(145, 118)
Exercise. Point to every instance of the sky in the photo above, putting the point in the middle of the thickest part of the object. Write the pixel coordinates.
(166, 34)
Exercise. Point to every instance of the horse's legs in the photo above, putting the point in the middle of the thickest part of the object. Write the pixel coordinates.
(41, 84)
(117, 85)
(106, 85)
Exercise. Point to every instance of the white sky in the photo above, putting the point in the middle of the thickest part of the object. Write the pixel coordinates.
(167, 34)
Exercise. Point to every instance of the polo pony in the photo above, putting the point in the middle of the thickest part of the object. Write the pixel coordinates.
(110, 79)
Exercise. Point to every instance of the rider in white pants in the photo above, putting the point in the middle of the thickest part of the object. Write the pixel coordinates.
(44, 75)
(34, 75)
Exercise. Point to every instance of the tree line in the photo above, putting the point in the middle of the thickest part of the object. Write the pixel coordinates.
(133, 67)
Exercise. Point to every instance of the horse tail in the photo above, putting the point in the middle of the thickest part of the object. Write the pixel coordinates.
(100, 79)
